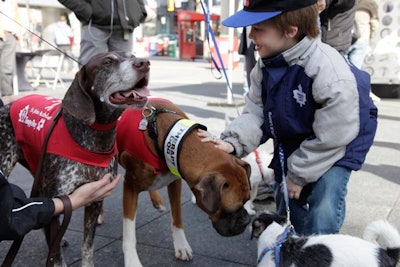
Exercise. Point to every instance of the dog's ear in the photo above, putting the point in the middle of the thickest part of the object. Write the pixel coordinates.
(245, 165)
(263, 220)
(77, 100)
(257, 228)
(280, 219)
(208, 193)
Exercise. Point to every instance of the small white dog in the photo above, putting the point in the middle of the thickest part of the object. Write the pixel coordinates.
(324, 250)
(259, 160)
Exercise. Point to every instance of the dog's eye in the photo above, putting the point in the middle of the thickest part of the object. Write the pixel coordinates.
(108, 61)
(225, 186)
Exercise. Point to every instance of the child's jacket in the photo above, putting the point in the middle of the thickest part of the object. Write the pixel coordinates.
(313, 104)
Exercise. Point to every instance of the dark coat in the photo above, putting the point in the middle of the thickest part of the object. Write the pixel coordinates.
(337, 22)
(19, 214)
(107, 14)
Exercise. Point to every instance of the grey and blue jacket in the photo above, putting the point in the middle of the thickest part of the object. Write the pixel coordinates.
(312, 103)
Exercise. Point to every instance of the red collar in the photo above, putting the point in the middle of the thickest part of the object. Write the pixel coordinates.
(103, 127)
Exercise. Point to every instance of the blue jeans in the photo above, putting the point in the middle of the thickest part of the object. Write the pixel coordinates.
(325, 209)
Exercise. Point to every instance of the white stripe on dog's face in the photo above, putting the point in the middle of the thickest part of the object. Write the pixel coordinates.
(121, 80)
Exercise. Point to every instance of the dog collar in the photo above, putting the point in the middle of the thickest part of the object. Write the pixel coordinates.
(276, 248)
(103, 127)
(174, 140)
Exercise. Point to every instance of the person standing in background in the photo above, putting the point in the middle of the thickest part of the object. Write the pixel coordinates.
(367, 23)
(107, 25)
(9, 35)
(63, 35)
(246, 48)
(60, 34)
(337, 21)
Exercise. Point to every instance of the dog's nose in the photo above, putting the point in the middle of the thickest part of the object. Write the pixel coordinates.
(141, 64)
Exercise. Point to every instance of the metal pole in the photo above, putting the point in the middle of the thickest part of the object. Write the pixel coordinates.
(209, 7)
(229, 93)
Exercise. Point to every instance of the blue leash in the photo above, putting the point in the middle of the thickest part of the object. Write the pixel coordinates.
(206, 13)
(284, 185)
(277, 246)
(289, 228)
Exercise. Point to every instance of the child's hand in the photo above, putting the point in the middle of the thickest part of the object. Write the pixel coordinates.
(208, 137)
(294, 190)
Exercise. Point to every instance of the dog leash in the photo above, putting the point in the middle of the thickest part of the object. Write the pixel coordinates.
(276, 247)
(56, 231)
(289, 229)
(211, 35)
(284, 184)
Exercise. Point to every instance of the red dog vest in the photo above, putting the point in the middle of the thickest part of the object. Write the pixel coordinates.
(132, 140)
(32, 116)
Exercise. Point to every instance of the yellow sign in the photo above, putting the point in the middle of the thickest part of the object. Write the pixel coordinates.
(170, 5)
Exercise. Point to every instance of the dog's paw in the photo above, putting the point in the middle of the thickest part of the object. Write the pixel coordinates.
(160, 208)
(132, 260)
(184, 254)
(183, 251)
(157, 200)
(100, 219)
(249, 207)
(193, 199)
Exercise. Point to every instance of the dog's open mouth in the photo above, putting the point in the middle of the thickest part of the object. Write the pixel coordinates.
(137, 94)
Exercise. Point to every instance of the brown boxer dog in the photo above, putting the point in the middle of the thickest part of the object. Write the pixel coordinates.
(219, 180)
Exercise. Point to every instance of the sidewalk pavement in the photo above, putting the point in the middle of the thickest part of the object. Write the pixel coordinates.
(373, 192)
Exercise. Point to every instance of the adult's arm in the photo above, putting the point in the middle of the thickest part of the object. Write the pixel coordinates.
(82, 9)
(20, 214)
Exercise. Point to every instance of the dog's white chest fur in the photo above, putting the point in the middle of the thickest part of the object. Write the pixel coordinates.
(162, 179)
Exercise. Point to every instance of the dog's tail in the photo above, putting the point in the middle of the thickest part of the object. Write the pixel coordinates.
(386, 235)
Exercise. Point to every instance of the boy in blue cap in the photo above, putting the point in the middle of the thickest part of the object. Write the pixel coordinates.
(313, 104)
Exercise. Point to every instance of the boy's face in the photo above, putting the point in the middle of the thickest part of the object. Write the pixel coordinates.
(268, 40)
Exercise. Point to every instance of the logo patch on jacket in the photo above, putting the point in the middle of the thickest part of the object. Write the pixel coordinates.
(300, 96)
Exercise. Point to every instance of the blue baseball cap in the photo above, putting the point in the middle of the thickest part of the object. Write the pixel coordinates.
(255, 11)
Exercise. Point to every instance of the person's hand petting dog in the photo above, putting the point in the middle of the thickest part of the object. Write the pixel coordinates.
(88, 193)
(208, 137)
(294, 190)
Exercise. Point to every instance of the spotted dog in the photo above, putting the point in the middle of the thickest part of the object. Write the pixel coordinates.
(82, 146)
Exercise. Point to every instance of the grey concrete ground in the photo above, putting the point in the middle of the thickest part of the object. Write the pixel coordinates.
(373, 192)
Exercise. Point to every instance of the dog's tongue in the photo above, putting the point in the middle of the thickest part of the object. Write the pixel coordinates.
(144, 91)
(129, 96)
